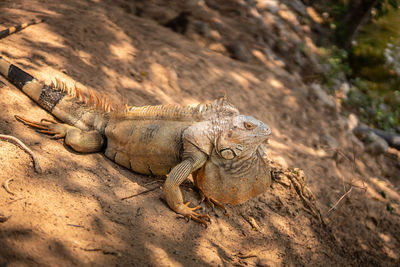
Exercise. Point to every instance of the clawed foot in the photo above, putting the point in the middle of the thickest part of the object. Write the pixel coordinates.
(190, 213)
(46, 126)
(213, 202)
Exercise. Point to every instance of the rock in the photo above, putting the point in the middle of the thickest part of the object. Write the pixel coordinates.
(298, 6)
(322, 96)
(195, 3)
(341, 122)
(160, 14)
(344, 88)
(352, 122)
(288, 16)
(239, 51)
(341, 88)
(329, 140)
(374, 144)
(299, 59)
(314, 15)
(180, 23)
(392, 139)
(271, 5)
(357, 144)
(202, 28)
(377, 146)
(217, 47)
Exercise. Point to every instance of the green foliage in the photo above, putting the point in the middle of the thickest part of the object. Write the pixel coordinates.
(371, 107)
(375, 93)
(378, 97)
(335, 60)
(389, 207)
(383, 7)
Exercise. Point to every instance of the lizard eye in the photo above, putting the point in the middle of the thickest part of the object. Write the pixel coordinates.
(227, 153)
(249, 126)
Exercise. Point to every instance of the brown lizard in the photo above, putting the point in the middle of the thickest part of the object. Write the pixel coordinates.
(222, 149)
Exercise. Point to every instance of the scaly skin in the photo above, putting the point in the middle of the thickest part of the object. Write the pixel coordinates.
(223, 149)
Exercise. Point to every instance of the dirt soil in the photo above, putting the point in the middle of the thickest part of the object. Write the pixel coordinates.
(72, 213)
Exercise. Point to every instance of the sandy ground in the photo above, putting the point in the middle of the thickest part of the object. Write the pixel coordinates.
(72, 213)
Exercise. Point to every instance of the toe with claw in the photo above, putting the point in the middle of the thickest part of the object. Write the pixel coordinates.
(212, 202)
(45, 126)
(190, 213)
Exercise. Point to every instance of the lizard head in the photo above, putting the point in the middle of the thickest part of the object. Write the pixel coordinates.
(241, 137)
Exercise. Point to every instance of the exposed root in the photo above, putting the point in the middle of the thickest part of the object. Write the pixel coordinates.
(250, 254)
(297, 179)
(7, 187)
(18, 142)
(252, 222)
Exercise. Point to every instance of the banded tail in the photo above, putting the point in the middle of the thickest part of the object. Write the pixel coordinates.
(11, 30)
(68, 104)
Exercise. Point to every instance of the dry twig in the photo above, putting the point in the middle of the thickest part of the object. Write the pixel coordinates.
(340, 199)
(141, 193)
(7, 187)
(353, 161)
(104, 251)
(18, 142)
(15, 200)
(75, 225)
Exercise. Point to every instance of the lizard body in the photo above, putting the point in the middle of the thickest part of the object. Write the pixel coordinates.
(220, 147)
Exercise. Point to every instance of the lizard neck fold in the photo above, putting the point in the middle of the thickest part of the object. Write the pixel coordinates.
(233, 181)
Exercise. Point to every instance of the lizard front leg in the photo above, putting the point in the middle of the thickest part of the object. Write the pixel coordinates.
(80, 141)
(192, 161)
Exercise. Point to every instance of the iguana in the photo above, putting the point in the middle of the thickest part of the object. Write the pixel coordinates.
(221, 148)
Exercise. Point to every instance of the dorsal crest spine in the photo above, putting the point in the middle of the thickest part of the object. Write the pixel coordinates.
(219, 108)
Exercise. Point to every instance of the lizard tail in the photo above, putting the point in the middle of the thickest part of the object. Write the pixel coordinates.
(19, 27)
(68, 104)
